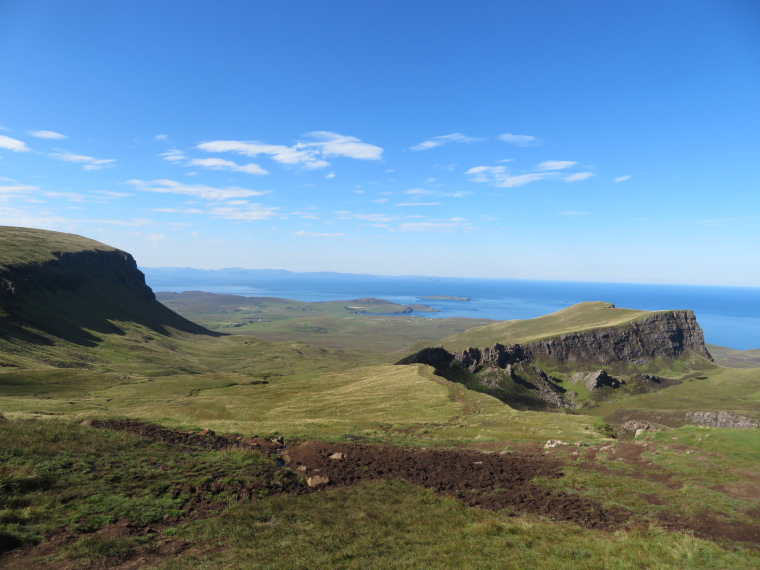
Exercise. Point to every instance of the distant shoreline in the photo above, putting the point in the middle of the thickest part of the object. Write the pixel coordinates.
(445, 298)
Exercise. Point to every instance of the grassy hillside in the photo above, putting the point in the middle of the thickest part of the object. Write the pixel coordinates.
(19, 246)
(80, 308)
(733, 358)
(582, 316)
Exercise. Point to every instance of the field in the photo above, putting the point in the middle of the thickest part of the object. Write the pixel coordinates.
(133, 437)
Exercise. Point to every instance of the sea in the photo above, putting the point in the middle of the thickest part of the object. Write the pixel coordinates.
(729, 316)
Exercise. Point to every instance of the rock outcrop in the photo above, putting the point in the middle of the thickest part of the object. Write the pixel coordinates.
(659, 335)
(721, 420)
(663, 335)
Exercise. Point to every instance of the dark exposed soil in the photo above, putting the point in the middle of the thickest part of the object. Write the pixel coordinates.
(491, 481)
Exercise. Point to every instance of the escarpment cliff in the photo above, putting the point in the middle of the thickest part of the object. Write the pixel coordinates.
(513, 372)
(61, 288)
(69, 271)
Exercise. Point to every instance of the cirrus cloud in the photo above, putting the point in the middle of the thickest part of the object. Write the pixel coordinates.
(197, 190)
(221, 164)
(520, 140)
(309, 155)
(47, 135)
(89, 163)
(13, 144)
(442, 140)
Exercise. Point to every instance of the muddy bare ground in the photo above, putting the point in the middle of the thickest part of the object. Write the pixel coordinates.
(491, 481)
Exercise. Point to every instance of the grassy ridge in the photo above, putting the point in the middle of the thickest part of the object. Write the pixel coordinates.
(580, 317)
(19, 246)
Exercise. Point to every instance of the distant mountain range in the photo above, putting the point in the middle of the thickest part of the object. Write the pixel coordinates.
(240, 276)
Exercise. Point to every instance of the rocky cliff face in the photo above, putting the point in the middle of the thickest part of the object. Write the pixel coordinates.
(660, 335)
(666, 335)
(70, 271)
(513, 371)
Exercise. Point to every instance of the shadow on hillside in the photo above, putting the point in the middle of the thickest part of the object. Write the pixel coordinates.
(84, 316)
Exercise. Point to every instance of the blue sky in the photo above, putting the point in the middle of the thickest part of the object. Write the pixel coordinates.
(568, 140)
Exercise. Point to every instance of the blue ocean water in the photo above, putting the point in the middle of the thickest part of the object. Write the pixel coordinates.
(729, 316)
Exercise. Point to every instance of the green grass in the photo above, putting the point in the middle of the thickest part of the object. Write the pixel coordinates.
(735, 358)
(329, 324)
(386, 525)
(402, 404)
(715, 388)
(583, 316)
(56, 475)
(19, 246)
(93, 484)
(690, 473)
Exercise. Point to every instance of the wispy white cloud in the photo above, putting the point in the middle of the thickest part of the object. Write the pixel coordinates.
(329, 175)
(442, 140)
(309, 155)
(376, 218)
(47, 135)
(12, 144)
(179, 210)
(248, 212)
(220, 164)
(88, 162)
(555, 164)
(16, 191)
(197, 190)
(160, 137)
(578, 176)
(332, 144)
(111, 194)
(448, 226)
(622, 178)
(520, 140)
(418, 204)
(501, 177)
(315, 234)
(173, 155)
(71, 196)
(419, 192)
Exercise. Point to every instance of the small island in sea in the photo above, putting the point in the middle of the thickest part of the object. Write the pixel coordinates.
(446, 298)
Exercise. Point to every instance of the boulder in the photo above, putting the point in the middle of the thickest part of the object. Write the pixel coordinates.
(317, 480)
(599, 379)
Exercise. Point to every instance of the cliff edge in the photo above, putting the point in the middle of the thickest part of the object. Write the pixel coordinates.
(603, 357)
(57, 287)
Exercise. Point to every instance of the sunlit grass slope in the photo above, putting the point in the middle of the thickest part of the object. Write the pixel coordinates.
(321, 398)
(580, 317)
(20, 246)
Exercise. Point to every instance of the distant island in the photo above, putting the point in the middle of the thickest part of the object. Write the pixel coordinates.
(445, 298)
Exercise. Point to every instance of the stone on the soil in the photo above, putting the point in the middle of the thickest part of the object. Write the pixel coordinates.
(317, 480)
